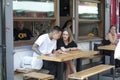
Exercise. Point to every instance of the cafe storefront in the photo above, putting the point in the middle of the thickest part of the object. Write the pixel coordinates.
(8, 16)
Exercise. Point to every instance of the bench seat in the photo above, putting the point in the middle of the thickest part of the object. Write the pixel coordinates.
(40, 76)
(84, 74)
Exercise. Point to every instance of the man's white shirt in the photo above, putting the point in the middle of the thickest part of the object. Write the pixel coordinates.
(46, 45)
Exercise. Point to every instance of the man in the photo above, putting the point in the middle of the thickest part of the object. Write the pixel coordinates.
(46, 44)
(21, 33)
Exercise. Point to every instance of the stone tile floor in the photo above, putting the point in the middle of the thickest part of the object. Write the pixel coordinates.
(19, 76)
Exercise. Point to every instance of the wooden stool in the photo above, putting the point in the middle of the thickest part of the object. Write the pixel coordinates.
(84, 74)
(39, 76)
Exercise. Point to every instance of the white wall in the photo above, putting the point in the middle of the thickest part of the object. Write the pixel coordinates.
(86, 46)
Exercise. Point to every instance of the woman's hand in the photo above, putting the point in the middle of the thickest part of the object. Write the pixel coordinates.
(60, 51)
(74, 48)
(63, 49)
(68, 49)
(46, 54)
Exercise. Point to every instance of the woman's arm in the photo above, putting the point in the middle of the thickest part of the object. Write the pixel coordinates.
(69, 49)
(112, 39)
(73, 48)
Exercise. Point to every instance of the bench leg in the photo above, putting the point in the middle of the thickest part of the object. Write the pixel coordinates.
(91, 62)
(113, 73)
(79, 65)
(98, 77)
(84, 79)
(24, 78)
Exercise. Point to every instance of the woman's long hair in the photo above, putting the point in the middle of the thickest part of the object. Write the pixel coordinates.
(70, 38)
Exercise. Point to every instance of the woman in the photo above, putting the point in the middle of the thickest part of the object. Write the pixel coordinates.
(66, 43)
(68, 24)
(111, 37)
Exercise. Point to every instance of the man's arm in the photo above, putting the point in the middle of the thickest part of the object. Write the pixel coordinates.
(35, 48)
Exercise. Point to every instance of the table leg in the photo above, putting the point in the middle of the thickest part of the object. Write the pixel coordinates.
(112, 60)
(90, 45)
(60, 71)
(113, 73)
(79, 65)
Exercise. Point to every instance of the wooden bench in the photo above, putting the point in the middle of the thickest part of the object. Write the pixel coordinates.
(84, 74)
(31, 70)
(36, 75)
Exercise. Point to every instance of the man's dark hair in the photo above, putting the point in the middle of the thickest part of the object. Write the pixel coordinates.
(56, 28)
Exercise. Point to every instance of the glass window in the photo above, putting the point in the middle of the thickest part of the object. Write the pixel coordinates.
(42, 27)
(86, 29)
(33, 8)
(87, 10)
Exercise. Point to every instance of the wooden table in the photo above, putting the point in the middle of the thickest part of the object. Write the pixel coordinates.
(109, 48)
(66, 56)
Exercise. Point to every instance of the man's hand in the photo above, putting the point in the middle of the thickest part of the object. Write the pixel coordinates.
(46, 54)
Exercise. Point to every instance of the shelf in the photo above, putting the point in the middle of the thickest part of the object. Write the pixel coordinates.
(33, 19)
(23, 42)
(88, 20)
(94, 1)
(88, 38)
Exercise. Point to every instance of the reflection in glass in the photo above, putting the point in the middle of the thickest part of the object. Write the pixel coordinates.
(88, 10)
(41, 27)
(31, 8)
(86, 28)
